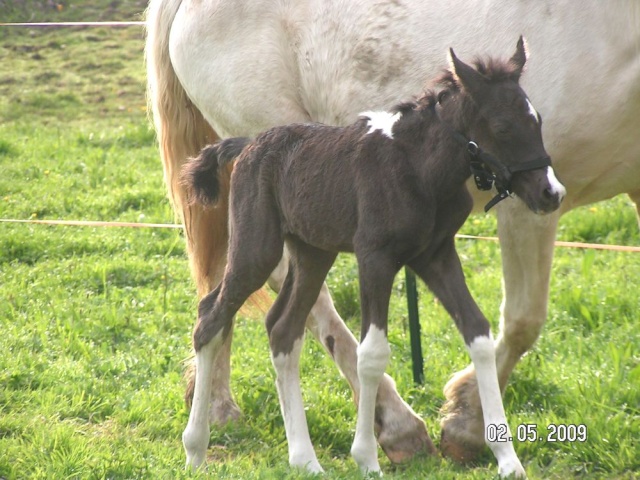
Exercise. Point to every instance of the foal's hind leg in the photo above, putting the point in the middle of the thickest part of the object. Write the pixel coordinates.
(248, 269)
(401, 432)
(207, 239)
(285, 323)
(442, 272)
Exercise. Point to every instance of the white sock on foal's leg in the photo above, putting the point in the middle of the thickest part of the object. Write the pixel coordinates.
(195, 437)
(482, 352)
(301, 452)
(373, 357)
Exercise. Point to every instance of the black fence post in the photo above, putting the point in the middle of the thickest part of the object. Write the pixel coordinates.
(414, 327)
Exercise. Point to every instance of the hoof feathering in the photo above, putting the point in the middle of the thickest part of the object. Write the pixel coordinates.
(462, 437)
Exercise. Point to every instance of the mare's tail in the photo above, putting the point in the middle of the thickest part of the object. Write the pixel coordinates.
(182, 132)
(200, 174)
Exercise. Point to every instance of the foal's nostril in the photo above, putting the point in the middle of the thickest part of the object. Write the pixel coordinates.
(551, 198)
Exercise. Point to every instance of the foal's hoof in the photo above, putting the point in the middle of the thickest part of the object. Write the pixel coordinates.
(405, 442)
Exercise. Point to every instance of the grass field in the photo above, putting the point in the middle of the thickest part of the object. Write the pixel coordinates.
(96, 322)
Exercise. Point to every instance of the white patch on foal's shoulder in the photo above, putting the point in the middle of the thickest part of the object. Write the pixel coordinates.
(382, 121)
(532, 111)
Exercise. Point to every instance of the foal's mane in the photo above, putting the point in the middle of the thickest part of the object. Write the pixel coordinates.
(493, 69)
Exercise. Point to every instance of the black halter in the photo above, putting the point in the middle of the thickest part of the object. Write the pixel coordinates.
(489, 172)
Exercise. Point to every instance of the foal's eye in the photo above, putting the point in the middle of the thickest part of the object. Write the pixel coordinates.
(501, 129)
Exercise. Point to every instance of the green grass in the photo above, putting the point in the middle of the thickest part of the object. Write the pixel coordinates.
(96, 322)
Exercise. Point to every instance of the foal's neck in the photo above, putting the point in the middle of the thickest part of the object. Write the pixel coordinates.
(448, 139)
(458, 114)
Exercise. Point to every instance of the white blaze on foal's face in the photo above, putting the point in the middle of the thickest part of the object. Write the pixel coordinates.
(383, 121)
(556, 186)
(532, 111)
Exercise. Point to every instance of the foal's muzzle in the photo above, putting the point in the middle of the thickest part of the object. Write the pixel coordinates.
(539, 189)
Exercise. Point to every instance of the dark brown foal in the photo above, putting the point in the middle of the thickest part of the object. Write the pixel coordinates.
(390, 188)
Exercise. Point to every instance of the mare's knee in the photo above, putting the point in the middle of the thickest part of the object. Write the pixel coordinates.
(521, 327)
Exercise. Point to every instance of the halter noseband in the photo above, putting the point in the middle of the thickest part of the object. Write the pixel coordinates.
(488, 171)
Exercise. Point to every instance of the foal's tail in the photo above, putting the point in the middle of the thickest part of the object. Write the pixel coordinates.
(201, 173)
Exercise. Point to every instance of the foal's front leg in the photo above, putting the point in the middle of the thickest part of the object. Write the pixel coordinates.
(376, 278)
(527, 250)
(443, 274)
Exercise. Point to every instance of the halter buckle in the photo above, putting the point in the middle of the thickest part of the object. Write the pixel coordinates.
(483, 177)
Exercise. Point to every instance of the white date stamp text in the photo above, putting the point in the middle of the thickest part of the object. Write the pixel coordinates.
(530, 432)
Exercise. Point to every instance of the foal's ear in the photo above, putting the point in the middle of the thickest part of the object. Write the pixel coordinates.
(466, 76)
(519, 58)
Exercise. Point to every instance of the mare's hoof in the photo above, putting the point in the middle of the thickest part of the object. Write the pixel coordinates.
(462, 437)
(461, 451)
(223, 412)
(401, 446)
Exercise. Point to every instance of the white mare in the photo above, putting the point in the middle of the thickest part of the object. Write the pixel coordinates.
(221, 68)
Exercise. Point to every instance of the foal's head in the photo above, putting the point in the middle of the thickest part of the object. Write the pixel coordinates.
(488, 106)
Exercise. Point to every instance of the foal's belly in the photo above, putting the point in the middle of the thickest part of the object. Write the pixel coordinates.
(322, 221)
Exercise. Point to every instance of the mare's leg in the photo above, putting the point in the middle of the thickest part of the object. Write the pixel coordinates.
(442, 272)
(376, 272)
(401, 432)
(249, 266)
(527, 251)
(285, 323)
(635, 198)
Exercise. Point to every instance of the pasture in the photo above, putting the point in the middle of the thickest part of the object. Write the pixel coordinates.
(96, 322)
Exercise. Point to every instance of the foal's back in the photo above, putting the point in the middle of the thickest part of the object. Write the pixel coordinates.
(317, 177)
